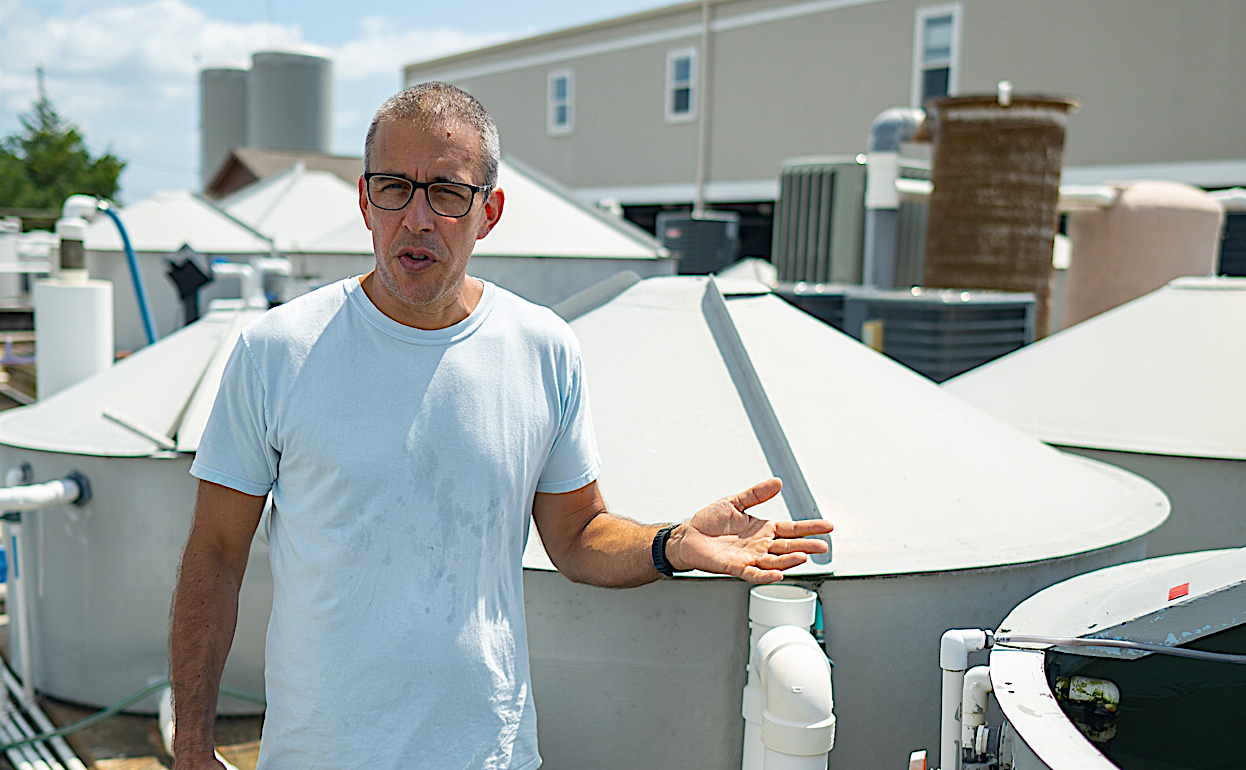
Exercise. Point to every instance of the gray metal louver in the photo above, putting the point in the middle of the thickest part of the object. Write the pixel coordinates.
(703, 244)
(1233, 246)
(943, 332)
(819, 220)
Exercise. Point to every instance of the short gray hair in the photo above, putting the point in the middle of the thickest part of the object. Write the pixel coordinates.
(434, 103)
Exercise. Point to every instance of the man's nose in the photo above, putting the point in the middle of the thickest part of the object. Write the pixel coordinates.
(418, 216)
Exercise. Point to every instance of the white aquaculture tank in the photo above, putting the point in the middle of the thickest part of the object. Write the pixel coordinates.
(1153, 386)
(100, 577)
(943, 517)
(1099, 708)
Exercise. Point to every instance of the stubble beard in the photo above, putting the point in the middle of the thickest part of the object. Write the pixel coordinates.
(412, 295)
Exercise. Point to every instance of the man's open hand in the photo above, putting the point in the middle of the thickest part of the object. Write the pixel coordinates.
(723, 538)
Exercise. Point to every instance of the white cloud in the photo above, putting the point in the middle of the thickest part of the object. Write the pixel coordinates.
(126, 72)
(380, 49)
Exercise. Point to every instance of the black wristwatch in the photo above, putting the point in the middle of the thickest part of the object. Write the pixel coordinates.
(660, 562)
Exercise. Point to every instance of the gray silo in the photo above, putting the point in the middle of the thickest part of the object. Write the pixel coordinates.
(222, 117)
(290, 102)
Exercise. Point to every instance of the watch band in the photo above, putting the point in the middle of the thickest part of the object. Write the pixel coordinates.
(659, 552)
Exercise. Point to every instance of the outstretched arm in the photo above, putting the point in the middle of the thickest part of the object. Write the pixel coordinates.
(205, 611)
(590, 545)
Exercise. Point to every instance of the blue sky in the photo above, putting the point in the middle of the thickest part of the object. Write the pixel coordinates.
(126, 71)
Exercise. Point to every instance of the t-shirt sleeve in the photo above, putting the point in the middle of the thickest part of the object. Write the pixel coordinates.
(573, 460)
(235, 450)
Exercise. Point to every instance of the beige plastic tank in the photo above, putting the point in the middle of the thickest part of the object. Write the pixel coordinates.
(1156, 231)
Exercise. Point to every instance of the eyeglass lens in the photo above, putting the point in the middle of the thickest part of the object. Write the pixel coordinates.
(448, 199)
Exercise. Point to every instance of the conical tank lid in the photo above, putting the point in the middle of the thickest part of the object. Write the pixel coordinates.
(152, 402)
(1160, 375)
(914, 479)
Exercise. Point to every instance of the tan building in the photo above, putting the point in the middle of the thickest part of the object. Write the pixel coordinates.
(624, 109)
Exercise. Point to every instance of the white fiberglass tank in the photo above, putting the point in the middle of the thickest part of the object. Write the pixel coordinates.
(102, 575)
(945, 517)
(1160, 711)
(1153, 386)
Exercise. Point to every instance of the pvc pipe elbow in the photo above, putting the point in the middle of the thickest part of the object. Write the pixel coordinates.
(974, 702)
(955, 646)
(798, 719)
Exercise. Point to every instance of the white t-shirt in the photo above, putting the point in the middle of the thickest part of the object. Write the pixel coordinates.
(402, 464)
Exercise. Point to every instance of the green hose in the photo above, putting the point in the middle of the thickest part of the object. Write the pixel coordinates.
(116, 708)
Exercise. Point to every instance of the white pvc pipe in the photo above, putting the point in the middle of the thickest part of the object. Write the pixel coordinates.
(19, 615)
(29, 497)
(973, 704)
(34, 497)
(68, 757)
(769, 606)
(954, 649)
(24, 730)
(798, 724)
(29, 757)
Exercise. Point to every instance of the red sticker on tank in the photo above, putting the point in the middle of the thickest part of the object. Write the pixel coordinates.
(1176, 592)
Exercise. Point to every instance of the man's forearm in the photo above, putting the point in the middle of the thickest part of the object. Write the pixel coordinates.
(205, 611)
(613, 552)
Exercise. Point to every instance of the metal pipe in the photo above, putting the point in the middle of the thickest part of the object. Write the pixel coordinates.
(890, 129)
(1119, 644)
(703, 103)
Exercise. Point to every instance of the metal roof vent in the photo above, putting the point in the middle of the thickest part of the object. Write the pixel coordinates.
(703, 243)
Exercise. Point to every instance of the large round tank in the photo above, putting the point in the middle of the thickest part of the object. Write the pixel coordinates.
(222, 117)
(996, 173)
(102, 575)
(944, 517)
(290, 102)
(1153, 386)
(1155, 232)
(1169, 711)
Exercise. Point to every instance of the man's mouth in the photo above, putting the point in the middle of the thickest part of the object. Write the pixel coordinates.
(414, 260)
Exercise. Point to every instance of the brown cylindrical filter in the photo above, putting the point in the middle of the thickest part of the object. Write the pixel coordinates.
(996, 174)
(1155, 232)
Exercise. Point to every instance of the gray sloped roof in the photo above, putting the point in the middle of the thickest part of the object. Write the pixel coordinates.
(913, 479)
(1160, 375)
(163, 393)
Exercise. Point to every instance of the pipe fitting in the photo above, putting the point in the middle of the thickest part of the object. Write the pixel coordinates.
(956, 644)
(973, 704)
(799, 719)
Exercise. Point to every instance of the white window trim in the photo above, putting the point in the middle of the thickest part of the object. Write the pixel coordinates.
(953, 77)
(693, 75)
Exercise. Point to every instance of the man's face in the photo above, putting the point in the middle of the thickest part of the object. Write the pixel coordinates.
(421, 256)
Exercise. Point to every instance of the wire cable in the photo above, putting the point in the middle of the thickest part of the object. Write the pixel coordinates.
(1012, 640)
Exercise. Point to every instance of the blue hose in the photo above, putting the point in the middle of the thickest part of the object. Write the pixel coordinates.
(140, 293)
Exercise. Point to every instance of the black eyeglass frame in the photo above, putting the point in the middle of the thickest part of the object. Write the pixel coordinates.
(417, 186)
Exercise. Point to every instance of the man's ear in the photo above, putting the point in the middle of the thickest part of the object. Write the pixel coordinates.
(363, 204)
(493, 212)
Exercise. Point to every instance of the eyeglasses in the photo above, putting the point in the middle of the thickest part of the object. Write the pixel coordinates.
(448, 199)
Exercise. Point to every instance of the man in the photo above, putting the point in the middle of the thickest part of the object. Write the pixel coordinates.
(407, 424)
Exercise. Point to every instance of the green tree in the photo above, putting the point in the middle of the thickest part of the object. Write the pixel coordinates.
(47, 161)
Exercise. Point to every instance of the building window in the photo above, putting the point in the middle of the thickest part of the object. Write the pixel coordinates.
(560, 102)
(681, 85)
(936, 53)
